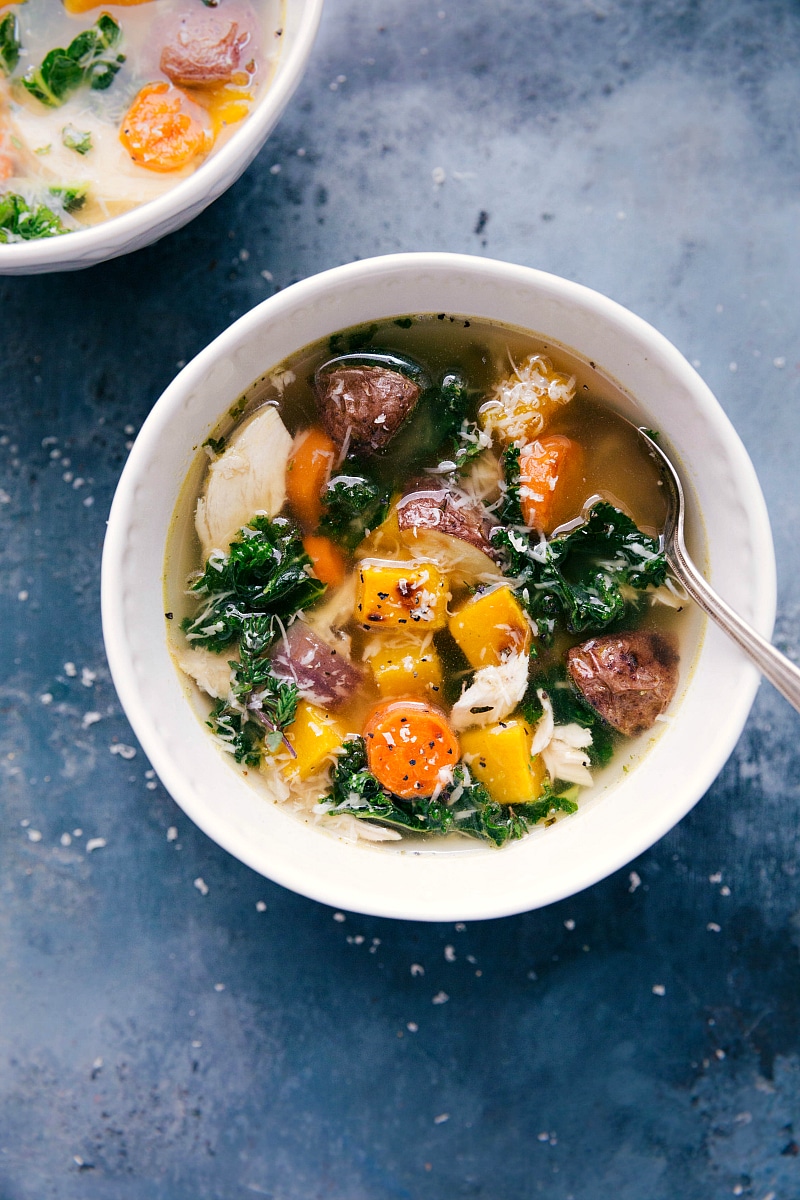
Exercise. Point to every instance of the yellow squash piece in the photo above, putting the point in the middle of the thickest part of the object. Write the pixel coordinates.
(314, 735)
(489, 628)
(401, 595)
(403, 668)
(499, 757)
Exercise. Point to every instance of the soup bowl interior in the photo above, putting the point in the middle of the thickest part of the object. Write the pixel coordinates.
(187, 199)
(634, 802)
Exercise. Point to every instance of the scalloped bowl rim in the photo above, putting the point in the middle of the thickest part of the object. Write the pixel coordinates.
(549, 864)
(156, 218)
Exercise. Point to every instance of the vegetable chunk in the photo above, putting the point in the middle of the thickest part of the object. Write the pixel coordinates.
(411, 748)
(313, 735)
(629, 678)
(320, 673)
(164, 130)
(307, 473)
(203, 51)
(392, 595)
(403, 668)
(499, 756)
(491, 627)
(547, 470)
(362, 407)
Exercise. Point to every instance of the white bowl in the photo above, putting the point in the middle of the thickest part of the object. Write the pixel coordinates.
(179, 205)
(632, 811)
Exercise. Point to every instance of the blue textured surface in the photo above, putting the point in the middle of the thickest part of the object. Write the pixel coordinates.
(160, 1043)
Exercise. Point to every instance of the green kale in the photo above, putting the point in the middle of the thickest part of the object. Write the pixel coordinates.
(241, 736)
(10, 43)
(71, 198)
(510, 510)
(75, 139)
(354, 504)
(579, 578)
(266, 572)
(21, 222)
(464, 807)
(352, 341)
(90, 58)
(216, 445)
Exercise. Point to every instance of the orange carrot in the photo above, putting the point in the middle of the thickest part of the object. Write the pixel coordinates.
(307, 476)
(548, 468)
(410, 747)
(81, 6)
(326, 559)
(164, 129)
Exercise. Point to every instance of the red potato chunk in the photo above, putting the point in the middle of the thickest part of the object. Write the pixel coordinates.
(323, 675)
(203, 51)
(629, 678)
(447, 511)
(363, 407)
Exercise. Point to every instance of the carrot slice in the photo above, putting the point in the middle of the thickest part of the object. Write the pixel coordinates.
(326, 559)
(410, 747)
(307, 475)
(81, 6)
(548, 469)
(163, 129)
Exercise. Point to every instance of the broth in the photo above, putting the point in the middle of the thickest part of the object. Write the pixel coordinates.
(75, 153)
(615, 471)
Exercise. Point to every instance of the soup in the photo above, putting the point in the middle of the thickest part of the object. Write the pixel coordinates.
(426, 594)
(105, 107)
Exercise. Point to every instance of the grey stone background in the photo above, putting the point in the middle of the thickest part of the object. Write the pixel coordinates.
(163, 1044)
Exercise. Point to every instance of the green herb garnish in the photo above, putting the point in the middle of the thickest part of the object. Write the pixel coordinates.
(10, 44)
(89, 59)
(21, 222)
(71, 198)
(75, 140)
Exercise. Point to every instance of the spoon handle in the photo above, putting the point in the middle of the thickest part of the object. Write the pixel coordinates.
(776, 667)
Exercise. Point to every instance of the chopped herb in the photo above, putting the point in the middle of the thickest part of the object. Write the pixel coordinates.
(265, 572)
(579, 578)
(89, 59)
(404, 322)
(10, 43)
(354, 504)
(71, 198)
(241, 736)
(74, 139)
(217, 445)
(353, 340)
(21, 222)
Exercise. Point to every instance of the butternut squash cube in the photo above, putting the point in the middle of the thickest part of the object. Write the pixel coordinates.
(403, 668)
(313, 735)
(490, 627)
(499, 757)
(401, 595)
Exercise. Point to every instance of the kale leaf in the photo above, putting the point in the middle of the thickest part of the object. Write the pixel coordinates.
(90, 58)
(70, 198)
(237, 732)
(510, 510)
(354, 505)
(10, 43)
(265, 572)
(464, 807)
(21, 222)
(579, 577)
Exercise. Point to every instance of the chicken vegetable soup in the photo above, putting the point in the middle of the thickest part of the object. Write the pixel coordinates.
(426, 593)
(104, 107)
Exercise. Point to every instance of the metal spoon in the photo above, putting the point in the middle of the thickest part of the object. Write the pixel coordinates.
(778, 669)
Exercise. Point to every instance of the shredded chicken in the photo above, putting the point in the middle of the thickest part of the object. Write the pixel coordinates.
(211, 672)
(247, 479)
(563, 747)
(493, 694)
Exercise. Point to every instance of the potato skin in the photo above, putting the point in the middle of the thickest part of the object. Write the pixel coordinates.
(363, 407)
(203, 51)
(629, 678)
(322, 675)
(447, 511)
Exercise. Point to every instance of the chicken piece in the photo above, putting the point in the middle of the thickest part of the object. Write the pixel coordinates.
(629, 678)
(211, 672)
(493, 695)
(203, 51)
(322, 674)
(248, 478)
(362, 407)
